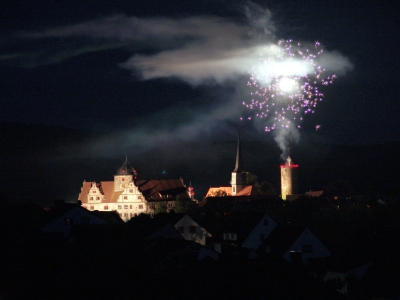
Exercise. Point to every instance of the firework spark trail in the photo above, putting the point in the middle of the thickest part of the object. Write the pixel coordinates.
(285, 84)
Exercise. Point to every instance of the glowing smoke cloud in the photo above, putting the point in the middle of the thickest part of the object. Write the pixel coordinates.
(284, 87)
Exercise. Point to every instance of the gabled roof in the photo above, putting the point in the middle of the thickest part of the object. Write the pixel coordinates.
(213, 190)
(111, 217)
(281, 238)
(291, 238)
(247, 190)
(241, 223)
(106, 188)
(159, 189)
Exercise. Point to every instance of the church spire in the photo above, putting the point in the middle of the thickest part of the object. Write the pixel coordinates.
(126, 168)
(239, 164)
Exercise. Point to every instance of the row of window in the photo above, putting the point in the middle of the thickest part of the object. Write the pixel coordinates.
(125, 215)
(91, 207)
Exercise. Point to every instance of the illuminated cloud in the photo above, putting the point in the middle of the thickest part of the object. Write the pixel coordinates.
(198, 50)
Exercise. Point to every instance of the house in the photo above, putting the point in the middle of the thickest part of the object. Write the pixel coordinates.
(242, 230)
(188, 228)
(67, 216)
(293, 244)
(130, 196)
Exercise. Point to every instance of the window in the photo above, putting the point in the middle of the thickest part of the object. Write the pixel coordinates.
(120, 215)
(140, 206)
(306, 249)
(123, 179)
(125, 206)
(91, 198)
(130, 206)
(234, 189)
(265, 222)
(125, 197)
(94, 192)
(181, 229)
(131, 214)
(119, 206)
(105, 207)
(140, 197)
(97, 198)
(131, 191)
(91, 207)
(126, 215)
(230, 236)
(69, 221)
(192, 229)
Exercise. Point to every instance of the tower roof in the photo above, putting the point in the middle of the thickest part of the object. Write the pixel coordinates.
(126, 168)
(239, 164)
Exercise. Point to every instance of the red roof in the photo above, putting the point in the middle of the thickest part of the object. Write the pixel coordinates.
(162, 188)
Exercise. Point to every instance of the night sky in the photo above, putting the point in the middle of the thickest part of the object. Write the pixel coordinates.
(161, 72)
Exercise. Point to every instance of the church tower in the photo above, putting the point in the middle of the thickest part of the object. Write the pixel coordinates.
(123, 176)
(238, 179)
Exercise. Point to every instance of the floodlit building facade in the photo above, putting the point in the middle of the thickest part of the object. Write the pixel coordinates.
(289, 180)
(130, 196)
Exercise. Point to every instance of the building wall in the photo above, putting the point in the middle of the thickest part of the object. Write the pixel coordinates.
(126, 199)
(288, 181)
(191, 230)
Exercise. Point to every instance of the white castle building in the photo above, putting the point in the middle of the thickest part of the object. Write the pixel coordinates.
(130, 196)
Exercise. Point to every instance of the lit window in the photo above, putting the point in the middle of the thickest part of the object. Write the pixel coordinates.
(97, 198)
(126, 215)
(119, 206)
(130, 206)
(91, 207)
(131, 191)
(181, 229)
(125, 197)
(230, 236)
(192, 229)
(105, 207)
(125, 206)
(140, 197)
(91, 198)
(123, 179)
(140, 206)
(94, 192)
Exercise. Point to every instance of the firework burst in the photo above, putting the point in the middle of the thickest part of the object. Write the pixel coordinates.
(284, 86)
